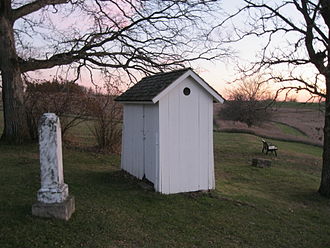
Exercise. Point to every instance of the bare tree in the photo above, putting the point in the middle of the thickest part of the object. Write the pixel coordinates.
(296, 52)
(248, 102)
(126, 35)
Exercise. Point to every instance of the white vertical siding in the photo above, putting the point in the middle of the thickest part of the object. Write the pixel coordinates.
(205, 164)
(132, 152)
(186, 140)
(173, 157)
(210, 149)
(164, 146)
(189, 137)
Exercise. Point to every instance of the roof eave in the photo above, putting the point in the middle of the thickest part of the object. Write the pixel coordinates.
(135, 101)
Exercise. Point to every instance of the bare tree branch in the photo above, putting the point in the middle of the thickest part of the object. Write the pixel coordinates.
(155, 48)
(114, 37)
(33, 7)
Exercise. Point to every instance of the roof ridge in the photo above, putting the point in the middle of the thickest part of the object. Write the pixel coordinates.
(168, 72)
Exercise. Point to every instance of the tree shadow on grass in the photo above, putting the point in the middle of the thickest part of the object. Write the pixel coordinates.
(311, 198)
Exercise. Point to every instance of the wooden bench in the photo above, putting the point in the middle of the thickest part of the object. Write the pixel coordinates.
(268, 147)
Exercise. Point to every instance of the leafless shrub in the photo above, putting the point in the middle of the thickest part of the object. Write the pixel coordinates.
(65, 98)
(107, 115)
(248, 102)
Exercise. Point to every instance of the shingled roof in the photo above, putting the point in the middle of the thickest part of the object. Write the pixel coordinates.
(149, 87)
(152, 88)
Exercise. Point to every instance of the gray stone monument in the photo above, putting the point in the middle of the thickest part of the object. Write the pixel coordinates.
(53, 196)
(261, 163)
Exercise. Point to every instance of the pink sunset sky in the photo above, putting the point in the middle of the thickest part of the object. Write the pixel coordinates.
(218, 73)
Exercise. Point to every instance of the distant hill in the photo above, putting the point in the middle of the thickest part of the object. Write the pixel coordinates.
(290, 121)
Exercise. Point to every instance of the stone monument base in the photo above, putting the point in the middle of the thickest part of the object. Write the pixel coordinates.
(62, 210)
(261, 163)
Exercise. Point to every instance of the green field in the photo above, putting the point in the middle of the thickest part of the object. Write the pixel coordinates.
(300, 105)
(251, 207)
(286, 129)
(81, 135)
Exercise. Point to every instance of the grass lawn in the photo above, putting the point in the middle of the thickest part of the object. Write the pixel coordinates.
(286, 129)
(251, 207)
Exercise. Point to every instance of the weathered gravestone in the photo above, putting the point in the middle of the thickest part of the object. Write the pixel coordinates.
(53, 196)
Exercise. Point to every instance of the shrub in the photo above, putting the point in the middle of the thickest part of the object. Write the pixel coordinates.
(65, 98)
(248, 103)
(107, 125)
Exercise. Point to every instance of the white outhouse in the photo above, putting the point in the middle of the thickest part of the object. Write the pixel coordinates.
(168, 131)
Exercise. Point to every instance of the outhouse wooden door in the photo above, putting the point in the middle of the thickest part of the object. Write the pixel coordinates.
(132, 144)
(140, 140)
(150, 141)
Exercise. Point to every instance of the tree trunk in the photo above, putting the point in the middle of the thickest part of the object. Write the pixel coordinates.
(15, 128)
(325, 178)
